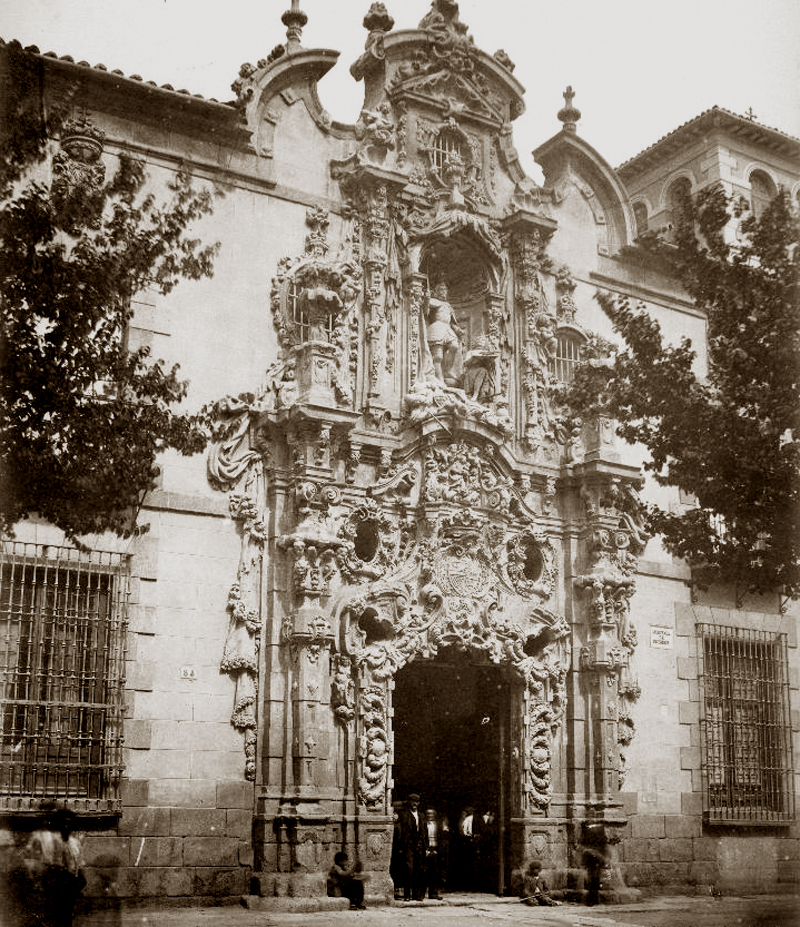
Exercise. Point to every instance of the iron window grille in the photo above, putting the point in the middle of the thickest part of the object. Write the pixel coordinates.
(568, 356)
(299, 315)
(446, 145)
(63, 621)
(745, 726)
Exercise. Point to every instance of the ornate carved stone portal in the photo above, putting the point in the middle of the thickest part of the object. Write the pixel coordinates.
(402, 482)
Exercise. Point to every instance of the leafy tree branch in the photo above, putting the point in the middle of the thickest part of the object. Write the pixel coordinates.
(731, 437)
(82, 417)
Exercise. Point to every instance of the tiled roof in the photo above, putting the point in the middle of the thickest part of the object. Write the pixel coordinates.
(68, 59)
(715, 112)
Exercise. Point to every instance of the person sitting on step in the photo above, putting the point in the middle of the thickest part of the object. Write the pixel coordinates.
(346, 881)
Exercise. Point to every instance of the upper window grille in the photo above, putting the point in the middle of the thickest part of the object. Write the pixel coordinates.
(447, 143)
(63, 617)
(568, 356)
(298, 313)
(745, 726)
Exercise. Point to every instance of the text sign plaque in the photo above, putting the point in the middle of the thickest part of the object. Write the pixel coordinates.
(660, 638)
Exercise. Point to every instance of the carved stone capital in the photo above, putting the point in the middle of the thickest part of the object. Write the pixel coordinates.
(307, 634)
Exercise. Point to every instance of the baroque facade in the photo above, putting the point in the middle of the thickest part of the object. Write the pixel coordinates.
(400, 571)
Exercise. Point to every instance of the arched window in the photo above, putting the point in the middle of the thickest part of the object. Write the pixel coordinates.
(762, 190)
(568, 355)
(298, 313)
(640, 215)
(677, 196)
(447, 142)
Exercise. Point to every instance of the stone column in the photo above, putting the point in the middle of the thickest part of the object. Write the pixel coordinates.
(608, 585)
(309, 636)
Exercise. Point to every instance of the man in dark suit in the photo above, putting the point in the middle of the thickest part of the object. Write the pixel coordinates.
(484, 828)
(412, 839)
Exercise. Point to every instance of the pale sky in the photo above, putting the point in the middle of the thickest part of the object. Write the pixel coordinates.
(639, 68)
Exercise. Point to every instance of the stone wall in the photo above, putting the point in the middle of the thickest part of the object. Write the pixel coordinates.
(203, 852)
(677, 851)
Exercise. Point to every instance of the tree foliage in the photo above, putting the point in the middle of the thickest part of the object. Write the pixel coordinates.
(82, 417)
(730, 436)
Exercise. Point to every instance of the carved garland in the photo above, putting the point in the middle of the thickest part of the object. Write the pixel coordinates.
(460, 473)
(373, 745)
(240, 654)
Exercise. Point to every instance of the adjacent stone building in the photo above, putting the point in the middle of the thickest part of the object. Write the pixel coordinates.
(394, 571)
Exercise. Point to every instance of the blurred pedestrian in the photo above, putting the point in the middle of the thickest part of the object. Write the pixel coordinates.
(52, 878)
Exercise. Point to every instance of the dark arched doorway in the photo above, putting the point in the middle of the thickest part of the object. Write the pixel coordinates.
(451, 723)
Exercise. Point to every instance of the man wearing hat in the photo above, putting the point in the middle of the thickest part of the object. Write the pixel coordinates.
(412, 839)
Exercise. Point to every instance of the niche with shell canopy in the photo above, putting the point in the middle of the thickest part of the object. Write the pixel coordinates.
(463, 341)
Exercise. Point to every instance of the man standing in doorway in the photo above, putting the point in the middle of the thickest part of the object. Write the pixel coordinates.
(484, 829)
(412, 836)
(436, 854)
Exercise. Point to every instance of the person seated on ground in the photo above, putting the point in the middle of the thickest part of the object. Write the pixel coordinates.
(346, 881)
(535, 888)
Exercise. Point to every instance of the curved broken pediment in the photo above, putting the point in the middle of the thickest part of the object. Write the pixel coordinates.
(572, 164)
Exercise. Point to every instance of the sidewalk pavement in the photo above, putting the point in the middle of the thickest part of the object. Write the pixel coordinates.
(461, 909)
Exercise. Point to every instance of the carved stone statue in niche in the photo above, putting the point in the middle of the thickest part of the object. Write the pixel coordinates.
(480, 372)
(444, 335)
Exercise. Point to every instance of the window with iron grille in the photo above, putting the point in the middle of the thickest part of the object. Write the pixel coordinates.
(299, 315)
(63, 618)
(745, 726)
(447, 144)
(568, 356)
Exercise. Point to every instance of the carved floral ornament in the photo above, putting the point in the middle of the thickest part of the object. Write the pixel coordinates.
(313, 300)
(450, 62)
(615, 539)
(78, 169)
(316, 637)
(372, 543)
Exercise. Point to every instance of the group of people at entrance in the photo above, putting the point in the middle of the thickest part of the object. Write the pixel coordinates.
(427, 855)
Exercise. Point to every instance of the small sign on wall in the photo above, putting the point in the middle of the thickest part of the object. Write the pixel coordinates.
(660, 638)
(188, 672)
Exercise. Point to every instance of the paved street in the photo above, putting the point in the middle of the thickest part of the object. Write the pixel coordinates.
(486, 911)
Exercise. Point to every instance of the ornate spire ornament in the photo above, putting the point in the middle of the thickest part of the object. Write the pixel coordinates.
(378, 19)
(569, 114)
(294, 20)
